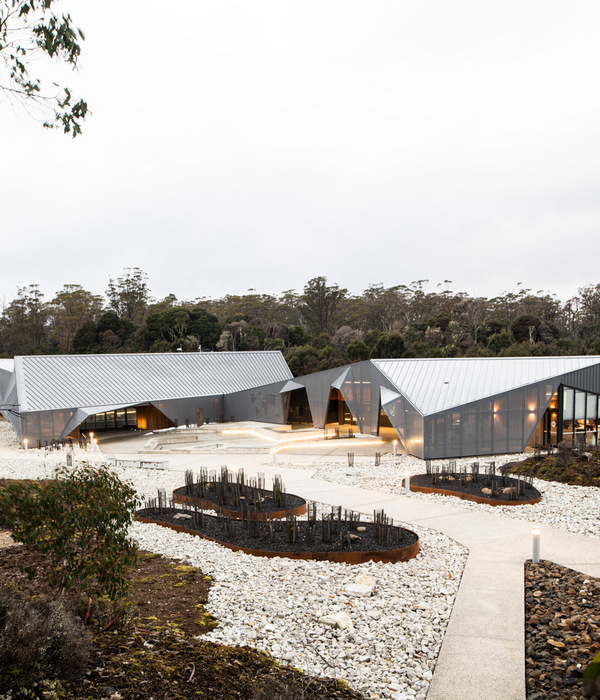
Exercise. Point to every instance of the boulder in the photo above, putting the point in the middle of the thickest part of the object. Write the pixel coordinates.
(341, 620)
(359, 590)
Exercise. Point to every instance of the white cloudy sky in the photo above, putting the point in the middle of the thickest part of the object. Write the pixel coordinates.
(256, 144)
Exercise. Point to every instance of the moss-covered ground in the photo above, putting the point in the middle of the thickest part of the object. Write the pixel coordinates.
(151, 646)
(563, 466)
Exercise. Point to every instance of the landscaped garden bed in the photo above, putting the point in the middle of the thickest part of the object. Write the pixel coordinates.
(339, 536)
(237, 497)
(252, 519)
(490, 487)
(564, 465)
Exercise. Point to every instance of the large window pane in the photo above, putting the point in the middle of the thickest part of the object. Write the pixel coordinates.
(568, 401)
(579, 405)
(592, 402)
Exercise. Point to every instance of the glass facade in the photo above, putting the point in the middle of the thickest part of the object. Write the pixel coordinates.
(109, 420)
(580, 410)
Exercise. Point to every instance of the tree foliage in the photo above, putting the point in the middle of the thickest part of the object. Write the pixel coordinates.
(319, 303)
(81, 519)
(129, 295)
(70, 309)
(321, 328)
(29, 30)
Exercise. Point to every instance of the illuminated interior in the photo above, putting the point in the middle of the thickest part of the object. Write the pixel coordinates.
(338, 412)
(579, 416)
(145, 417)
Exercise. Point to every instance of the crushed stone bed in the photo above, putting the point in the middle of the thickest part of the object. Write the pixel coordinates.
(388, 651)
(562, 629)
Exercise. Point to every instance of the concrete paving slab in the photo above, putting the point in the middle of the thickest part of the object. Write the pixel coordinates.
(475, 667)
(489, 612)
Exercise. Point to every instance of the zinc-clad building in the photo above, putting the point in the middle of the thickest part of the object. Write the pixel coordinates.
(463, 407)
(438, 408)
(48, 397)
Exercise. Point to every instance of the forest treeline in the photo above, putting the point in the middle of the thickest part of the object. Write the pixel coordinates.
(324, 326)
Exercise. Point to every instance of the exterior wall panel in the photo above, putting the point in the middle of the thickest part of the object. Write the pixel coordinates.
(361, 391)
(496, 425)
(318, 388)
(45, 426)
(587, 379)
(265, 404)
(181, 411)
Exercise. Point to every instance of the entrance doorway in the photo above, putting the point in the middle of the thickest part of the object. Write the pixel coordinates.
(338, 412)
(299, 408)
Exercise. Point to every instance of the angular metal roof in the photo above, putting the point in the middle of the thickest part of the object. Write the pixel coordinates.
(49, 382)
(434, 385)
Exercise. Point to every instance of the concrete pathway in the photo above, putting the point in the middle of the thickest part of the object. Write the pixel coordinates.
(483, 652)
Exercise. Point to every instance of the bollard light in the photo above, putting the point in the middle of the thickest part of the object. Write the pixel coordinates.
(25, 444)
(395, 448)
(535, 558)
(407, 484)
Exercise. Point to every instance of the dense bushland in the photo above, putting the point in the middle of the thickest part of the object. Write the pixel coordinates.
(323, 326)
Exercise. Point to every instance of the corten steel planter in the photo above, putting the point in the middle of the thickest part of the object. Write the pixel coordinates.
(385, 555)
(235, 513)
(470, 497)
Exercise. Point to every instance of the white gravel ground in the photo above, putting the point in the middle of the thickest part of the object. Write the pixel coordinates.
(389, 650)
(391, 647)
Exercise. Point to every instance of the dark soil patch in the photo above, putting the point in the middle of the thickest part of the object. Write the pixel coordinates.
(475, 488)
(562, 629)
(146, 647)
(260, 539)
(563, 468)
(162, 591)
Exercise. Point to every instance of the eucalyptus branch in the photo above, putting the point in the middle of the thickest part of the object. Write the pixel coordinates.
(29, 28)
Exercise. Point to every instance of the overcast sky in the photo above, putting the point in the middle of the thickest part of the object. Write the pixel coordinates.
(254, 144)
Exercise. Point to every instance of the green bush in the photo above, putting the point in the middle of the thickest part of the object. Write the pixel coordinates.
(80, 518)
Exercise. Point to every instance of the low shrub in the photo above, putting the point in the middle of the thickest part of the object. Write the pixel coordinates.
(40, 639)
(80, 518)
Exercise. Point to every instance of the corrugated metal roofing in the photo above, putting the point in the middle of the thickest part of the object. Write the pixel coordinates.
(48, 382)
(434, 385)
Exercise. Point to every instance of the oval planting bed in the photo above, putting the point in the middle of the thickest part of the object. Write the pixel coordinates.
(327, 539)
(294, 505)
(478, 492)
(236, 496)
